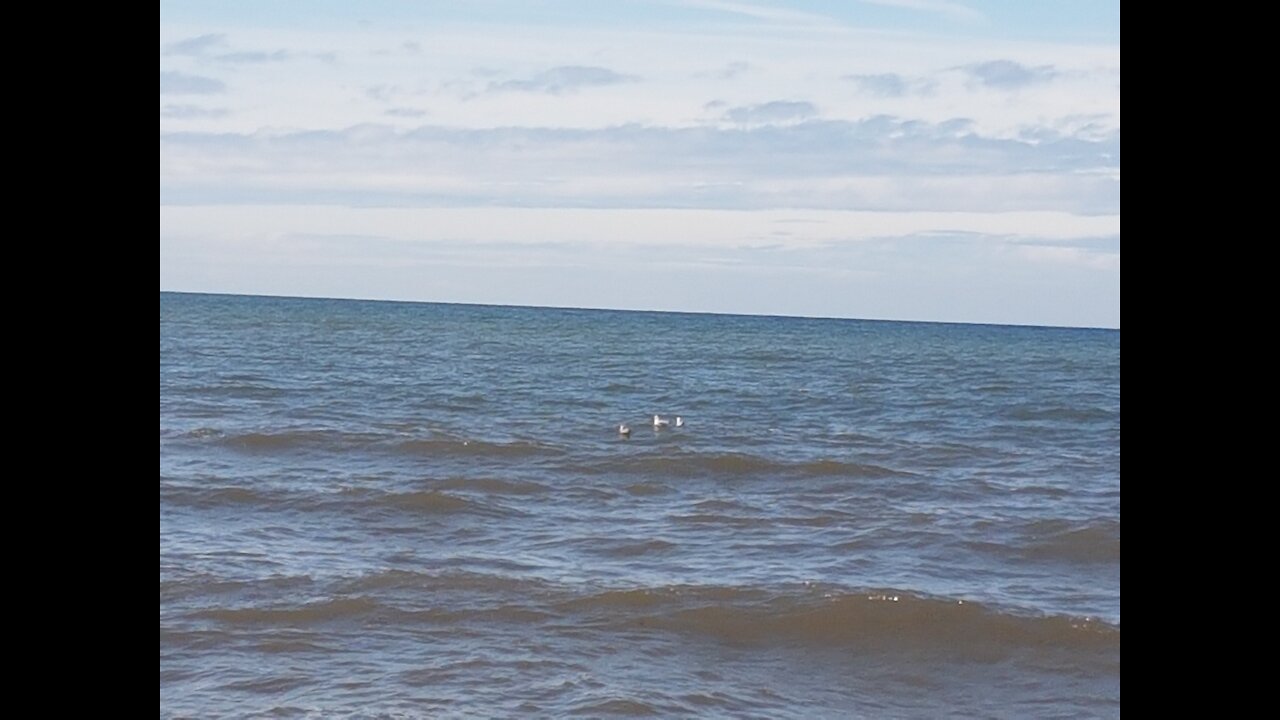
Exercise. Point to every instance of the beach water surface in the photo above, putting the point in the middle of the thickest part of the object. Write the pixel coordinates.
(374, 508)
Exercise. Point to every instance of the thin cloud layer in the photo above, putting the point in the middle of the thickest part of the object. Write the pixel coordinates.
(1009, 75)
(879, 163)
(778, 111)
(883, 84)
(212, 47)
(198, 46)
(405, 112)
(176, 83)
(892, 85)
(191, 111)
(254, 57)
(567, 78)
(951, 10)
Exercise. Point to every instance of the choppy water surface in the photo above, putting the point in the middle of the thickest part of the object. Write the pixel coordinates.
(413, 509)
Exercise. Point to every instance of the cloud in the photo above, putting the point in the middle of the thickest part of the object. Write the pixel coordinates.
(198, 46)
(176, 83)
(649, 227)
(204, 47)
(405, 112)
(728, 72)
(381, 93)
(1066, 254)
(892, 85)
(778, 111)
(761, 12)
(1009, 75)
(878, 163)
(566, 78)
(883, 85)
(182, 112)
(952, 10)
(254, 57)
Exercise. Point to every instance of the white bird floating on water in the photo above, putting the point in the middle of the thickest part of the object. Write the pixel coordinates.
(659, 423)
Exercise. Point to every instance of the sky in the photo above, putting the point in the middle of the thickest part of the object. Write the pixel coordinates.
(939, 160)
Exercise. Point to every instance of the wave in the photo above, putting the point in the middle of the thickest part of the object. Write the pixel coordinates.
(811, 616)
(894, 617)
(200, 433)
(469, 582)
(236, 497)
(282, 441)
(493, 486)
(615, 706)
(614, 601)
(638, 548)
(346, 499)
(364, 609)
(427, 501)
(292, 646)
(644, 489)
(433, 502)
(176, 585)
(243, 390)
(213, 496)
(884, 617)
(740, 464)
(286, 440)
(1063, 414)
(270, 685)
(734, 521)
(453, 447)
(322, 611)
(1095, 542)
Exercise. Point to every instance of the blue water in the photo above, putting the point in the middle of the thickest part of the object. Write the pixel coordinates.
(427, 510)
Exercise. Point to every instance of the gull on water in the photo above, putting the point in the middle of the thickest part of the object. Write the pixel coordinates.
(659, 422)
(624, 431)
(679, 421)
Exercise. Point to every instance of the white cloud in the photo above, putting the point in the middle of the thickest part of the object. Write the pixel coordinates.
(640, 227)
(777, 111)
(176, 83)
(1071, 255)
(210, 46)
(878, 163)
(1007, 74)
(892, 85)
(729, 71)
(566, 78)
(767, 13)
(197, 46)
(952, 10)
(405, 112)
(191, 111)
(681, 71)
(255, 56)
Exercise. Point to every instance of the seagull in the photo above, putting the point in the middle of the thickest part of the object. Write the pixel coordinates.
(624, 431)
(679, 421)
(659, 423)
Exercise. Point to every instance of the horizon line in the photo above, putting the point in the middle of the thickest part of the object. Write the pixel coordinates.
(641, 310)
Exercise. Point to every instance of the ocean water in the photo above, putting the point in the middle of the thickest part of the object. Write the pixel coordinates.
(399, 510)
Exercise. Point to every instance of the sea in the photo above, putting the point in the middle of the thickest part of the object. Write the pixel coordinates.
(402, 510)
